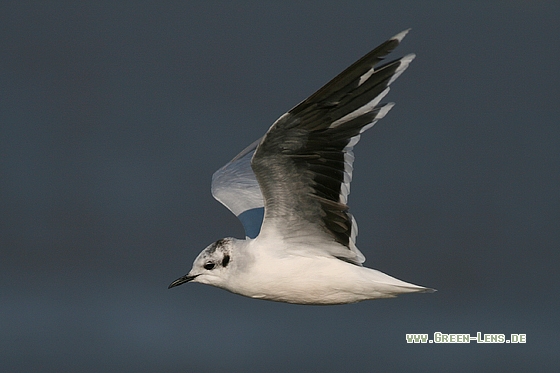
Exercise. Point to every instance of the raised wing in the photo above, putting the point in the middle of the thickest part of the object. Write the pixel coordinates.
(236, 187)
(304, 162)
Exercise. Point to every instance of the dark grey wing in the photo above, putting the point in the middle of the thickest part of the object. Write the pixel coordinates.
(304, 162)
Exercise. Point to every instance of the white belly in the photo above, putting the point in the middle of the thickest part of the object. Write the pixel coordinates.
(319, 280)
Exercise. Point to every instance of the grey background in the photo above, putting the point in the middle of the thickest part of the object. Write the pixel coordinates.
(114, 115)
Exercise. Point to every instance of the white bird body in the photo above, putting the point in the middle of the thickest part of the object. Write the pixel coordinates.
(285, 274)
(290, 191)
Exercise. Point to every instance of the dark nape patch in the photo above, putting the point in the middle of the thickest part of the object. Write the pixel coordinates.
(215, 245)
(225, 261)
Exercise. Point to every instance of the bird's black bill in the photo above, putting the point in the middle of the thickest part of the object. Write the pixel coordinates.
(181, 280)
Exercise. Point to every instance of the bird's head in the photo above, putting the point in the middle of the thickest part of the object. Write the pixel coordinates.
(211, 265)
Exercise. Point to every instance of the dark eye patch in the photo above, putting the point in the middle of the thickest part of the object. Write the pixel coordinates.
(225, 261)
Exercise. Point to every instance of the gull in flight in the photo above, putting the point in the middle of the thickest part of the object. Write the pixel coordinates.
(290, 190)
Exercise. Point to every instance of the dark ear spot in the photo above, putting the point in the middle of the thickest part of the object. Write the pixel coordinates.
(225, 261)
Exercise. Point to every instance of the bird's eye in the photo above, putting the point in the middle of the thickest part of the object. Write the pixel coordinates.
(209, 266)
